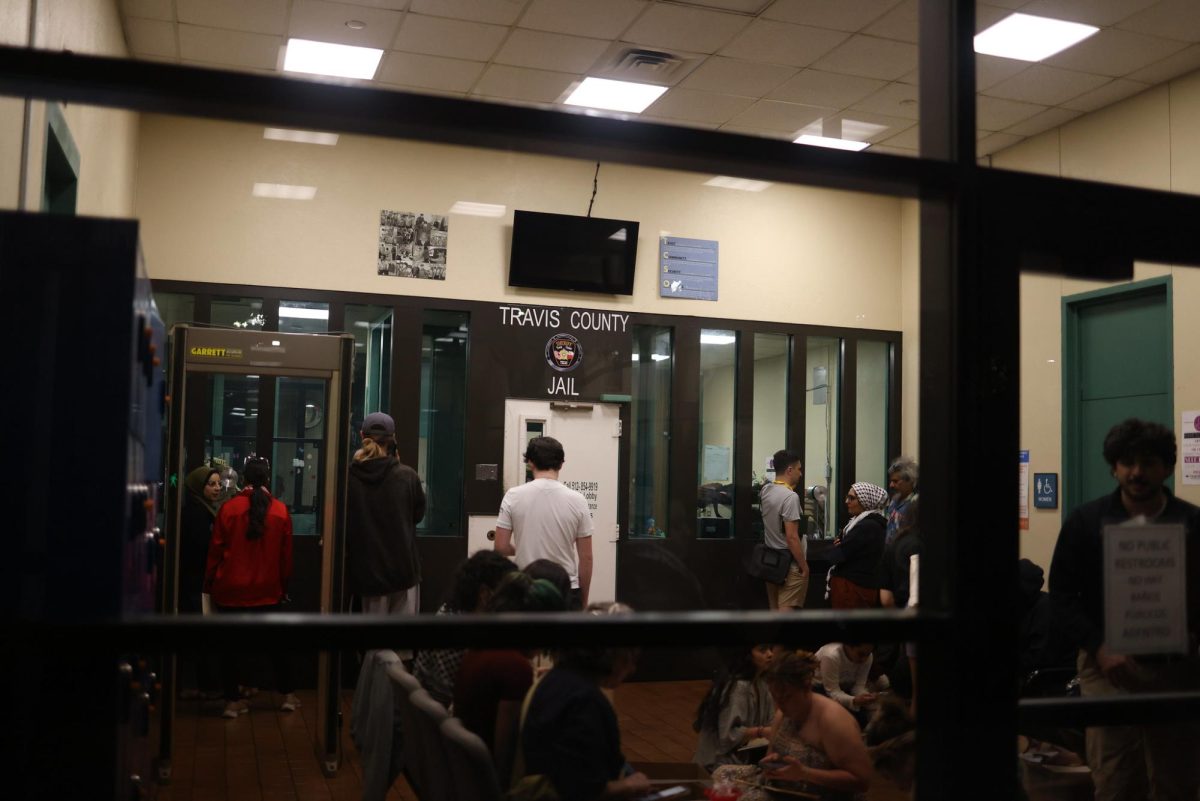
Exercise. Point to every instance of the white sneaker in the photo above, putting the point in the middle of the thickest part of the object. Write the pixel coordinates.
(290, 703)
(235, 708)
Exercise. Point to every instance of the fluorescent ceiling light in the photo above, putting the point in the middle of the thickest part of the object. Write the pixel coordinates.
(659, 357)
(443, 339)
(478, 209)
(1029, 38)
(301, 313)
(325, 58)
(717, 339)
(284, 191)
(303, 137)
(614, 95)
(741, 184)
(827, 141)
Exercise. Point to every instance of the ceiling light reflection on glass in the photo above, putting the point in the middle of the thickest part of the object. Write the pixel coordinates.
(478, 209)
(740, 184)
(302, 313)
(284, 191)
(335, 60)
(303, 137)
(614, 95)
(1029, 38)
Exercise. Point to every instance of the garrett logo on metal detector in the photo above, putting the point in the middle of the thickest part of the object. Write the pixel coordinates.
(564, 352)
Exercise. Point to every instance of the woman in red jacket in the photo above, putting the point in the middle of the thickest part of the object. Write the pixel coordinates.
(249, 564)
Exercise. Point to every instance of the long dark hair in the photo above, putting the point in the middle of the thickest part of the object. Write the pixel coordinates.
(257, 475)
(739, 668)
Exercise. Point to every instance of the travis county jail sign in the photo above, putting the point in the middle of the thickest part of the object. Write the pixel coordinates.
(1145, 598)
(564, 353)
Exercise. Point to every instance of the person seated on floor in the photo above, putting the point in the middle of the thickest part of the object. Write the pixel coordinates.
(570, 740)
(472, 588)
(557, 575)
(842, 674)
(492, 683)
(736, 710)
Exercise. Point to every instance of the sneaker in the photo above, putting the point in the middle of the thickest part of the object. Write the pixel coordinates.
(290, 703)
(247, 692)
(235, 708)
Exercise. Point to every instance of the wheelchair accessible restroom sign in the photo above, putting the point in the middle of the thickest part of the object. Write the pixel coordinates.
(1145, 594)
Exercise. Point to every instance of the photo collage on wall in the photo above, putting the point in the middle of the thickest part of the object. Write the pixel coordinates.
(412, 245)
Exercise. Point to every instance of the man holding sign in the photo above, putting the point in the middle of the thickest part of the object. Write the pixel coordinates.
(1119, 582)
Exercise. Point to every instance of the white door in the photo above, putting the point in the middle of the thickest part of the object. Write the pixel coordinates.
(590, 434)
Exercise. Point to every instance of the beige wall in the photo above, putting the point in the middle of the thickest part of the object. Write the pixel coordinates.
(770, 410)
(1148, 141)
(106, 138)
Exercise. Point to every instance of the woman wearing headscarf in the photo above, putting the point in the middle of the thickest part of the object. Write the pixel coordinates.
(854, 577)
(201, 500)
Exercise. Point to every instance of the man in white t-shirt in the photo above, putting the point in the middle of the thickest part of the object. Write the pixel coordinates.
(543, 519)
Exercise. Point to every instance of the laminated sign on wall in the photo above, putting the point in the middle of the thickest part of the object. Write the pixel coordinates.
(1145, 597)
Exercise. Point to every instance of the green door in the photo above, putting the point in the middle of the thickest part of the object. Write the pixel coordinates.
(1117, 363)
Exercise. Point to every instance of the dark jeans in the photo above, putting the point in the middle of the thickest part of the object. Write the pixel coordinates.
(233, 664)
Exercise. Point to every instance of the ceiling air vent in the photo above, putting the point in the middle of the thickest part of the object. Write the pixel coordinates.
(624, 63)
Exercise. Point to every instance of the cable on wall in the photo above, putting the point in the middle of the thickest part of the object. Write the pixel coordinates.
(595, 183)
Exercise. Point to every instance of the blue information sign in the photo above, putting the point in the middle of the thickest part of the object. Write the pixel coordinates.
(687, 268)
(1045, 490)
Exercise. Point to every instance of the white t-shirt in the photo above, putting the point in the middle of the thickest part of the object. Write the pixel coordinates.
(842, 678)
(546, 517)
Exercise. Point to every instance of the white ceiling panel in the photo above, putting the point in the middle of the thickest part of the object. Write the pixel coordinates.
(996, 114)
(606, 20)
(497, 12)
(685, 28)
(890, 125)
(991, 70)
(151, 37)
(550, 51)
(894, 99)
(751, 7)
(233, 48)
(825, 89)
(900, 23)
(1115, 53)
(782, 118)
(1106, 95)
(435, 36)
(996, 141)
(986, 16)
(326, 22)
(841, 15)
(429, 72)
(889, 150)
(1171, 19)
(1092, 12)
(1038, 123)
(1172, 66)
(735, 77)
(256, 16)
(869, 57)
(519, 83)
(908, 139)
(1048, 86)
(703, 107)
(782, 43)
(1009, 4)
(149, 9)
(391, 5)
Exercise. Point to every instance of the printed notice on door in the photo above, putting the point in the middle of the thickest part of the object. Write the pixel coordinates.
(1145, 599)
(1190, 440)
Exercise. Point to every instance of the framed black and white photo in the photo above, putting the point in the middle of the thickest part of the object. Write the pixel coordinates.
(412, 244)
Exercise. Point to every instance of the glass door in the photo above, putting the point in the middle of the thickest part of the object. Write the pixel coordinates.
(297, 450)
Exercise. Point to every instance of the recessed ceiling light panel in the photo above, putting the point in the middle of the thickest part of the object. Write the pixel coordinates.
(827, 141)
(614, 95)
(326, 58)
(1029, 38)
(303, 137)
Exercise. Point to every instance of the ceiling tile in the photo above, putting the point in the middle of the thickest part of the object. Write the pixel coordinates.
(1115, 53)
(763, 133)
(986, 16)
(1010, 4)
(1106, 95)
(751, 7)
(518, 83)
(1048, 86)
(996, 114)
(771, 115)
(258, 16)
(391, 5)
(1101, 13)
(909, 139)
(837, 14)
(685, 28)
(825, 89)
(1040, 123)
(231, 48)
(705, 107)
(890, 125)
(869, 57)
(1172, 19)
(782, 43)
(894, 99)
(735, 77)
(151, 37)
(606, 20)
(889, 150)
(550, 51)
(429, 72)
(620, 62)
(434, 36)
(1172, 66)
(497, 12)
(326, 22)
(991, 70)
(149, 9)
(900, 23)
(996, 141)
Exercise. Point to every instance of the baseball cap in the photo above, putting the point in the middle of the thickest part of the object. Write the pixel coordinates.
(378, 423)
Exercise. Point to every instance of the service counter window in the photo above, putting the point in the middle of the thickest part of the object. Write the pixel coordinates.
(821, 441)
(238, 312)
(443, 419)
(718, 411)
(649, 446)
(772, 365)
(303, 317)
(872, 384)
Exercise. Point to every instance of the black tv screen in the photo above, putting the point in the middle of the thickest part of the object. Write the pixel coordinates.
(562, 251)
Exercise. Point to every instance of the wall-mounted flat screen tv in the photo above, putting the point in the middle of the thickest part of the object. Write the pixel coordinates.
(562, 251)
